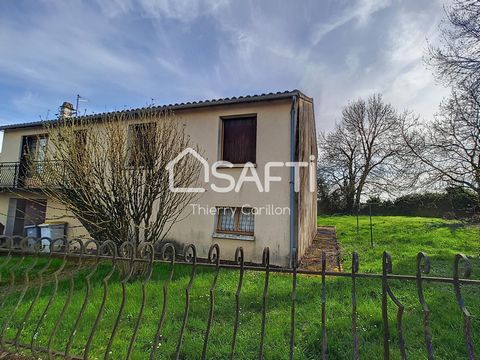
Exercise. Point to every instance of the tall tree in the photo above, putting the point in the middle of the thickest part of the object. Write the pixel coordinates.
(110, 173)
(457, 59)
(364, 150)
(449, 147)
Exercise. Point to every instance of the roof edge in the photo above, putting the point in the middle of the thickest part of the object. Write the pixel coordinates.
(180, 106)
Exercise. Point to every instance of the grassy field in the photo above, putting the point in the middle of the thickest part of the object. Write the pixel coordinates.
(403, 237)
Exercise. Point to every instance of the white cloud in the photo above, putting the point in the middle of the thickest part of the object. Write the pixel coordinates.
(114, 8)
(407, 86)
(366, 8)
(352, 60)
(361, 11)
(407, 38)
(128, 51)
(180, 10)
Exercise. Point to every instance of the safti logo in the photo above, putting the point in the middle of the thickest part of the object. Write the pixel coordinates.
(249, 174)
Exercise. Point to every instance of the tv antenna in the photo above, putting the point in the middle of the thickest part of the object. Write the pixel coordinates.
(79, 98)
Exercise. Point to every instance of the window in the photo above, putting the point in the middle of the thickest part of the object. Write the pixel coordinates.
(141, 138)
(34, 147)
(239, 140)
(235, 220)
(34, 150)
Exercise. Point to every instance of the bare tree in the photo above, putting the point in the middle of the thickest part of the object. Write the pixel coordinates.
(110, 173)
(457, 59)
(364, 150)
(449, 147)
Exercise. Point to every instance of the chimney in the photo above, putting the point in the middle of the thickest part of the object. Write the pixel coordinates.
(66, 110)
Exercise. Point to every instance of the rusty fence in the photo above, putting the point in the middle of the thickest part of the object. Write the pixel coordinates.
(26, 268)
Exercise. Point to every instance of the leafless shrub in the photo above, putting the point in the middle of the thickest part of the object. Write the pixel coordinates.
(110, 173)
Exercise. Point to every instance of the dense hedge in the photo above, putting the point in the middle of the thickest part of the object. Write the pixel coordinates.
(454, 202)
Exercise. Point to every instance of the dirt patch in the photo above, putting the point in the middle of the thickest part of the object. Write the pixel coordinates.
(325, 240)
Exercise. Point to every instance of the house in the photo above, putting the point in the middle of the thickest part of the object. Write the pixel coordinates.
(246, 131)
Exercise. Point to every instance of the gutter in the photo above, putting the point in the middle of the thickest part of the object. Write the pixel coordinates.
(292, 182)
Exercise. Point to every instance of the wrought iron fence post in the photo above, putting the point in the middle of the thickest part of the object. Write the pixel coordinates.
(189, 256)
(156, 340)
(292, 309)
(423, 267)
(386, 331)
(467, 324)
(324, 310)
(111, 246)
(127, 249)
(87, 295)
(387, 293)
(52, 296)
(355, 265)
(266, 264)
(26, 317)
(145, 251)
(239, 259)
(69, 295)
(213, 258)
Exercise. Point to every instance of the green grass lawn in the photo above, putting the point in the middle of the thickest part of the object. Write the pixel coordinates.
(403, 237)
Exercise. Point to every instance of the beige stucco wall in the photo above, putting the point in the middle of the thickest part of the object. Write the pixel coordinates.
(12, 143)
(57, 212)
(4, 199)
(273, 139)
(203, 126)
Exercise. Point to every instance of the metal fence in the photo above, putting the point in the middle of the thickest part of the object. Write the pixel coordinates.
(19, 261)
(28, 175)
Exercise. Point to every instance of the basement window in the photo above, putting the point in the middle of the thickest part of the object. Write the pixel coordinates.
(235, 220)
(239, 139)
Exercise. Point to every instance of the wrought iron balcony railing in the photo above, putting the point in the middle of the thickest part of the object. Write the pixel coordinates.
(20, 175)
(10, 174)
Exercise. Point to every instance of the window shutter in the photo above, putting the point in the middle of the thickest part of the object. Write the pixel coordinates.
(240, 140)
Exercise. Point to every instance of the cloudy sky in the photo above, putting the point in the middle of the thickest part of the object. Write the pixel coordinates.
(130, 53)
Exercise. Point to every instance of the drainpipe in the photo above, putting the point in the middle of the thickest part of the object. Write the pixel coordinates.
(292, 182)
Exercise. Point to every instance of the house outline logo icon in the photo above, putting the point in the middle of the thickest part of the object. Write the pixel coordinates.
(171, 173)
(235, 184)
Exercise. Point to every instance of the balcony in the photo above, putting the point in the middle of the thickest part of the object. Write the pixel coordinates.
(18, 175)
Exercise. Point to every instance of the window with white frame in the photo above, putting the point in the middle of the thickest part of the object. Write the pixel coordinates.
(235, 220)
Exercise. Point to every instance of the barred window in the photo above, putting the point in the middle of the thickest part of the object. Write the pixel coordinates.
(235, 220)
